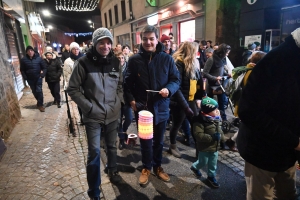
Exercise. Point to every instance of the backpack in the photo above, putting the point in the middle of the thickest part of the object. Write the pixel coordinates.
(236, 86)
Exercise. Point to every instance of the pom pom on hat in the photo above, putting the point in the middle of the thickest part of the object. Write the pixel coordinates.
(48, 49)
(74, 45)
(208, 105)
(101, 33)
(164, 37)
(28, 48)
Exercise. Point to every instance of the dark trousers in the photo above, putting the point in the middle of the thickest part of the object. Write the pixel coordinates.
(93, 132)
(36, 86)
(152, 149)
(126, 111)
(55, 90)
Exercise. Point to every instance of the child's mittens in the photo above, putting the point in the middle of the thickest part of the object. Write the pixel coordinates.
(216, 136)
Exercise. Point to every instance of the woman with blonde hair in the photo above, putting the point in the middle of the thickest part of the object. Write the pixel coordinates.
(182, 103)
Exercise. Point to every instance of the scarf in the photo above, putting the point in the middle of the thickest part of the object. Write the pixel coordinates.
(296, 36)
(74, 57)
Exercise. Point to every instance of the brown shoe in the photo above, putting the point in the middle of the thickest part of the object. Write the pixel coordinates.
(159, 172)
(41, 108)
(143, 180)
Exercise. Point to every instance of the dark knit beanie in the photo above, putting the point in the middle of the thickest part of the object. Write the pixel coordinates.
(28, 48)
(164, 37)
(208, 105)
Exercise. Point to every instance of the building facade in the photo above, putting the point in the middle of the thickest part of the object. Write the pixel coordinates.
(268, 22)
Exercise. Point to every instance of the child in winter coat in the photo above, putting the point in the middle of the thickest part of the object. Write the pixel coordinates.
(208, 133)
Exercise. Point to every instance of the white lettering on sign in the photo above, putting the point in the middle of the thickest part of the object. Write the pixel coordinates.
(293, 21)
(251, 1)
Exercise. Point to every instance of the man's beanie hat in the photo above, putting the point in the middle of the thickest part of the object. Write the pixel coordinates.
(74, 45)
(251, 46)
(208, 105)
(164, 37)
(101, 33)
(28, 48)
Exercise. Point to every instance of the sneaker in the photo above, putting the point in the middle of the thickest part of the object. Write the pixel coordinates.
(143, 180)
(159, 172)
(122, 144)
(41, 108)
(114, 177)
(213, 182)
(196, 172)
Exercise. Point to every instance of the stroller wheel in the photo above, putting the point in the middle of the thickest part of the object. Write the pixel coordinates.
(236, 122)
(225, 126)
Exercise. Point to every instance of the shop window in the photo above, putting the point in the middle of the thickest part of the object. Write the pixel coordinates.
(116, 14)
(187, 31)
(105, 18)
(124, 39)
(110, 17)
(123, 7)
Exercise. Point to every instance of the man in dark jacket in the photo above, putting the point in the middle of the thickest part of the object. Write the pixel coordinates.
(66, 53)
(247, 54)
(165, 40)
(54, 72)
(96, 87)
(33, 70)
(201, 56)
(151, 69)
(269, 134)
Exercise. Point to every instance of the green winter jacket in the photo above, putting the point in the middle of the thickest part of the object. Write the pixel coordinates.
(204, 129)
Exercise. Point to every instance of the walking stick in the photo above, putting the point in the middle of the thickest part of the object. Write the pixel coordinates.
(71, 125)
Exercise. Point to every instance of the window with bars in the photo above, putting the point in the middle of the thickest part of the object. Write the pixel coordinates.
(116, 14)
(110, 17)
(123, 7)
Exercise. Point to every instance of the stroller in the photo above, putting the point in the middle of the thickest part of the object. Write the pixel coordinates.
(223, 87)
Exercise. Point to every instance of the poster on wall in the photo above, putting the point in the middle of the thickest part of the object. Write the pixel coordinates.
(251, 39)
(187, 31)
(290, 21)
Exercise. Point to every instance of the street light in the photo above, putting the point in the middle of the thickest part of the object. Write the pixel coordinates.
(46, 13)
(92, 24)
(50, 27)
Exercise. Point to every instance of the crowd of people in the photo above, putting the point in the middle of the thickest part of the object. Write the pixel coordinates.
(111, 86)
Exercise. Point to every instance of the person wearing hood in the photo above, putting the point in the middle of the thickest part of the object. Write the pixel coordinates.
(69, 62)
(33, 70)
(151, 69)
(53, 74)
(96, 87)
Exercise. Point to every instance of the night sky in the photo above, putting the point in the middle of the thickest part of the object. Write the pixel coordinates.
(77, 21)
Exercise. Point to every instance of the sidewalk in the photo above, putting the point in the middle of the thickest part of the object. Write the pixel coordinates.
(42, 160)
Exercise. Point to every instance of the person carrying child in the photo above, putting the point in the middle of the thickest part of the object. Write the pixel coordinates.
(208, 133)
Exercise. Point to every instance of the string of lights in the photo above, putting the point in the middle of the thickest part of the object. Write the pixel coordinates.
(79, 34)
(76, 5)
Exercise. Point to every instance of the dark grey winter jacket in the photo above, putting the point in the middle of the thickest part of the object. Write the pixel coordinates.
(100, 80)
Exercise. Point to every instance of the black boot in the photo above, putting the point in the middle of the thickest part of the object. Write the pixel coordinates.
(122, 144)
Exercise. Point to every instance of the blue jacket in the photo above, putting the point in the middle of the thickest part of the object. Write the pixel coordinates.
(151, 71)
(31, 68)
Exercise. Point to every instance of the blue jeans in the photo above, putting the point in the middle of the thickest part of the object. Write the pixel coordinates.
(207, 158)
(93, 132)
(185, 126)
(152, 149)
(127, 112)
(36, 86)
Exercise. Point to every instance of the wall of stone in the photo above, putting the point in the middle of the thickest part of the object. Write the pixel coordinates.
(9, 105)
